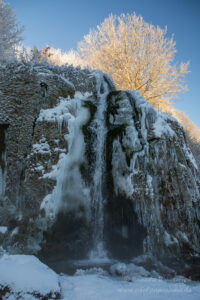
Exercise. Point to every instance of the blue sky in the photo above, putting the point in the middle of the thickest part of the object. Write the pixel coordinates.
(63, 23)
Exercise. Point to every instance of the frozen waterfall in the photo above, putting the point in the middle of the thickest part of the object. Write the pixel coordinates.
(72, 191)
(99, 126)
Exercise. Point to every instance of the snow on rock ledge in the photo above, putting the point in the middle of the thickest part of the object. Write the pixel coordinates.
(22, 275)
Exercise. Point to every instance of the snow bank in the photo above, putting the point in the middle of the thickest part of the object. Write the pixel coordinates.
(25, 274)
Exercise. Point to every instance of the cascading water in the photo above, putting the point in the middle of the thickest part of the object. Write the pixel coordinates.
(99, 127)
(2, 160)
(2, 183)
(72, 191)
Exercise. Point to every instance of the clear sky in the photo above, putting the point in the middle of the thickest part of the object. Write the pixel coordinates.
(63, 23)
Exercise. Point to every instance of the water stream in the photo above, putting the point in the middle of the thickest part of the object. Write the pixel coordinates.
(99, 125)
(71, 194)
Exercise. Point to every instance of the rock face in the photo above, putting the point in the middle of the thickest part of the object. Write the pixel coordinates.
(26, 144)
(149, 163)
(135, 189)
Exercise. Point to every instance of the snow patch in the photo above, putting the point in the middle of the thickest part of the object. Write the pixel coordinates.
(169, 240)
(3, 229)
(149, 189)
(26, 274)
(161, 127)
(41, 148)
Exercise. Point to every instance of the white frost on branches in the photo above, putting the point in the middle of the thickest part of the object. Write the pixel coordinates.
(10, 32)
(137, 55)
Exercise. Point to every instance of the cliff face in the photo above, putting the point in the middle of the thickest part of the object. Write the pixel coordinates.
(151, 165)
(27, 143)
(84, 165)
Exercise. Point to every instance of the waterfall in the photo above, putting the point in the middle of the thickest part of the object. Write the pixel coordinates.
(1, 183)
(3, 163)
(99, 127)
(71, 189)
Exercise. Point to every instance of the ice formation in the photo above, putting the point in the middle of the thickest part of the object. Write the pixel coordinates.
(70, 190)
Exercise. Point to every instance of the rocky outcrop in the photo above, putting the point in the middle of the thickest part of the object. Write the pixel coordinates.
(147, 188)
(149, 163)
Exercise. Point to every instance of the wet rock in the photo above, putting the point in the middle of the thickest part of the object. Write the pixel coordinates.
(128, 271)
(152, 264)
(191, 272)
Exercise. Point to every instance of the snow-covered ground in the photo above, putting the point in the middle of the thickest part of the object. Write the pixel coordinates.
(28, 279)
(86, 286)
(23, 276)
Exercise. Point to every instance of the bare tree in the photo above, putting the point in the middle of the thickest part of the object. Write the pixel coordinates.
(10, 32)
(137, 55)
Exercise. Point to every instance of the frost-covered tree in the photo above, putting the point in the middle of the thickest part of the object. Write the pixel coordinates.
(58, 57)
(137, 55)
(10, 32)
(195, 147)
(50, 55)
(193, 132)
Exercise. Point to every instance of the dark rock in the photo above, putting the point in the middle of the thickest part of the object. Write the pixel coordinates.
(191, 272)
